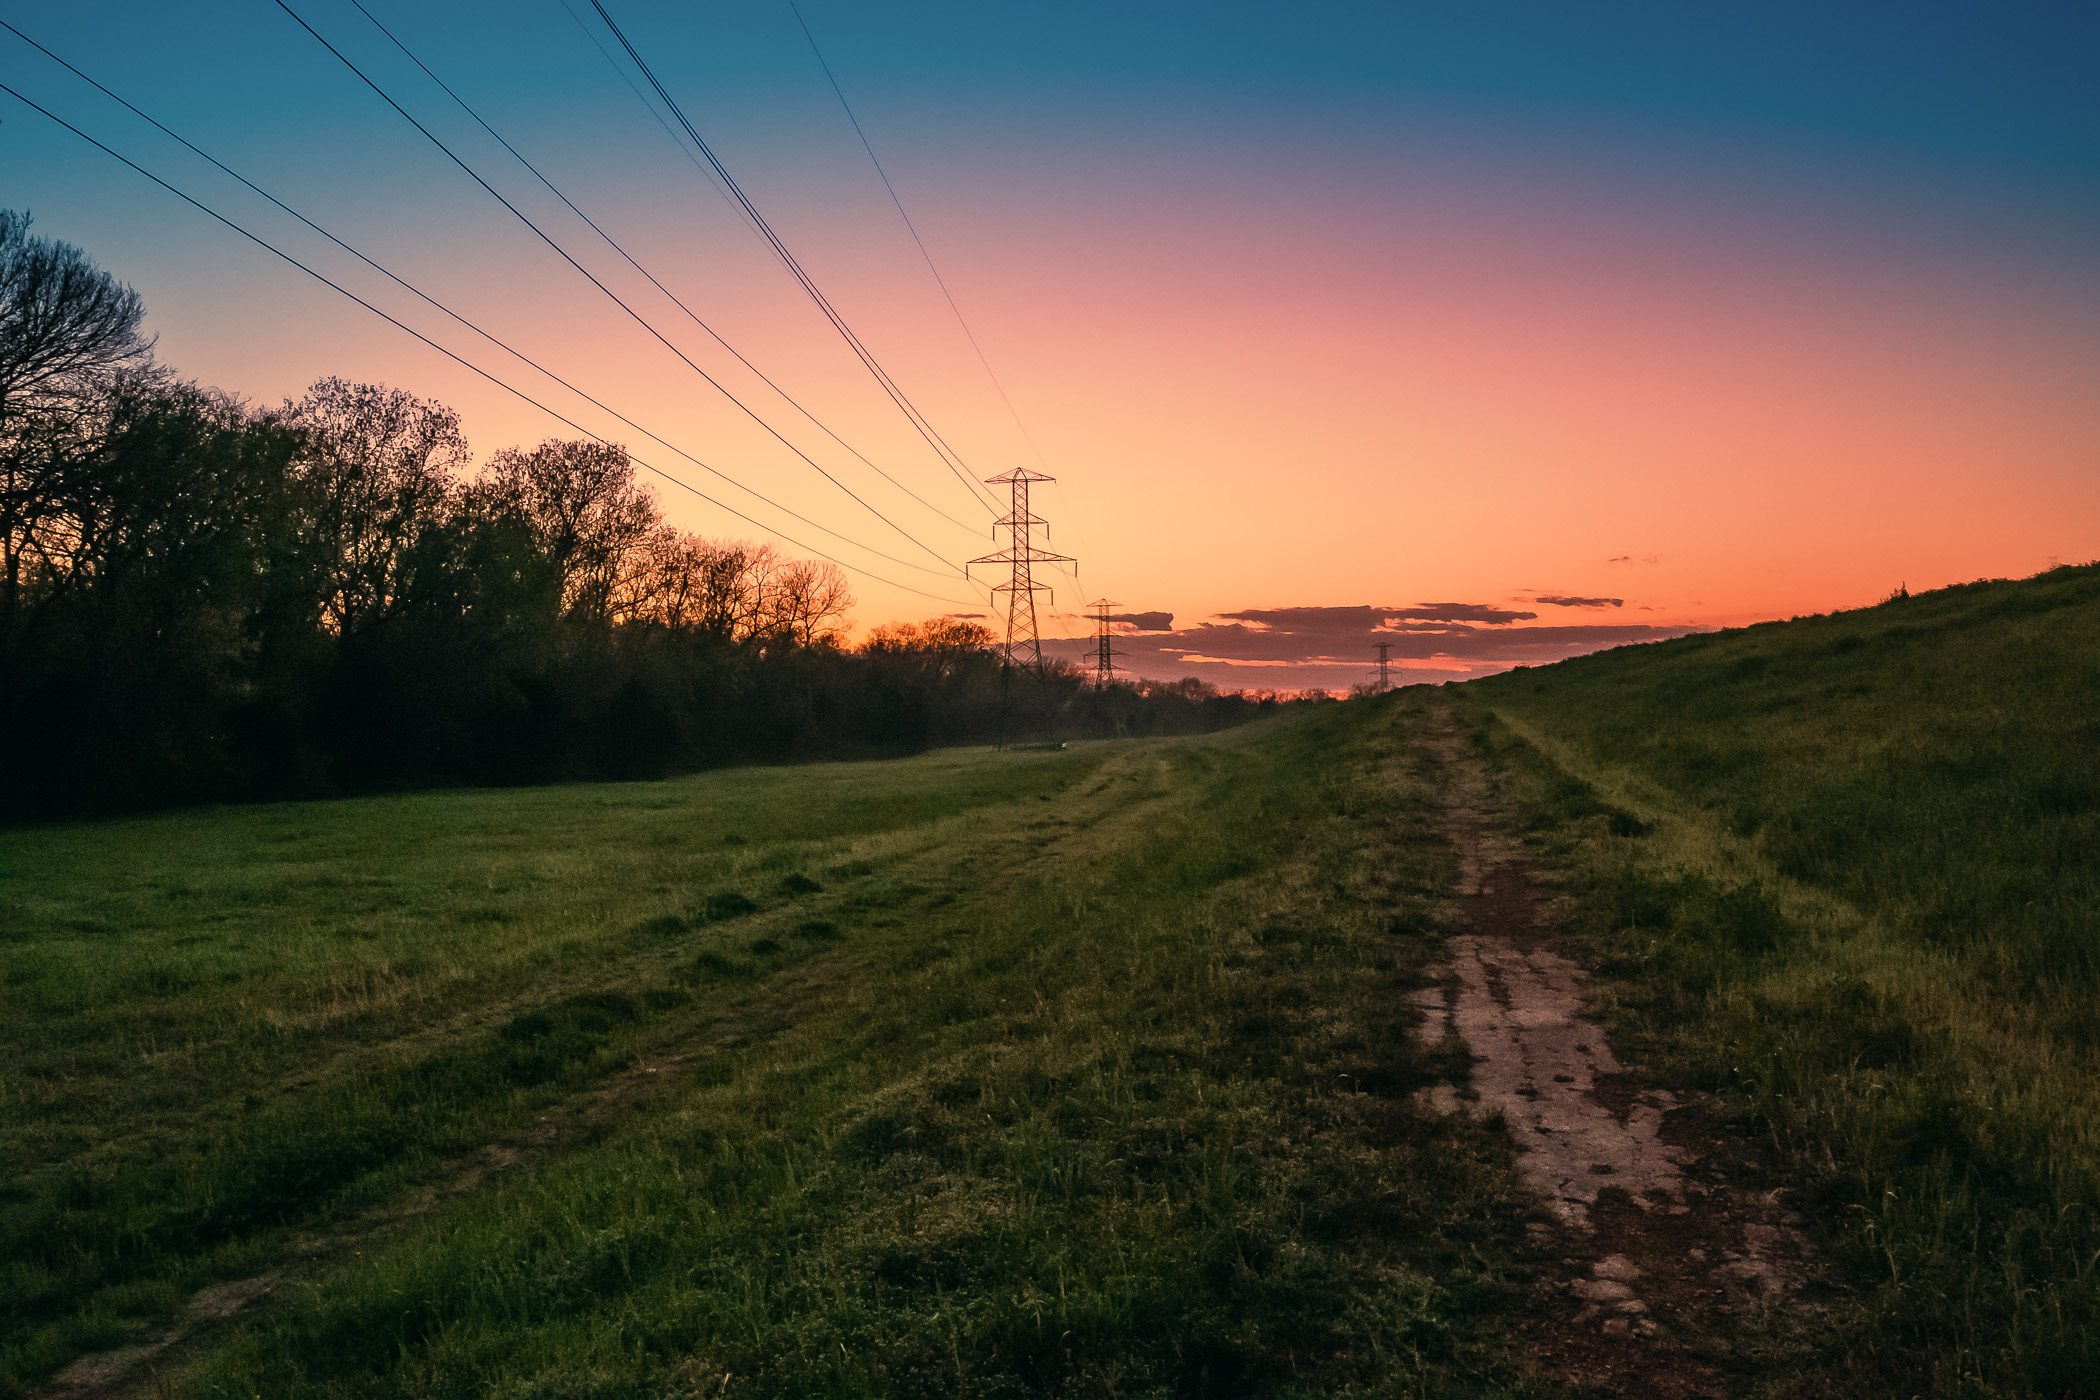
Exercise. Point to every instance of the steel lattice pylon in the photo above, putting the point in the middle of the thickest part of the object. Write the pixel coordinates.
(1023, 646)
(1104, 654)
(1385, 667)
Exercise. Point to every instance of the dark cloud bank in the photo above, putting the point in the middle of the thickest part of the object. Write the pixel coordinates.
(1333, 648)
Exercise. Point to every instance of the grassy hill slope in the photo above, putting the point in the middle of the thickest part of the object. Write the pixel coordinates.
(1847, 870)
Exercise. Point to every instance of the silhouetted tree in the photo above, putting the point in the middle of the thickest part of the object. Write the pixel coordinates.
(804, 601)
(379, 466)
(67, 330)
(203, 601)
(585, 510)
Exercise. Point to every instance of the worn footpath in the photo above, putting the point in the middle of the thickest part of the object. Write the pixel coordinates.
(1666, 1262)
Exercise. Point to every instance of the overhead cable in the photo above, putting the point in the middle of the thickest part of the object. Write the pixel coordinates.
(897, 395)
(650, 107)
(470, 325)
(638, 318)
(461, 360)
(912, 228)
(614, 244)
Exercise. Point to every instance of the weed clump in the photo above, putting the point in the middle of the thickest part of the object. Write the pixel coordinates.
(727, 904)
(713, 966)
(661, 927)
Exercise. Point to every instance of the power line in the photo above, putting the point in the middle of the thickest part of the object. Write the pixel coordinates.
(614, 244)
(650, 107)
(939, 280)
(925, 427)
(456, 358)
(470, 325)
(639, 319)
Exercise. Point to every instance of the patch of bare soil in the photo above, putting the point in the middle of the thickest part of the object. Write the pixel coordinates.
(1661, 1252)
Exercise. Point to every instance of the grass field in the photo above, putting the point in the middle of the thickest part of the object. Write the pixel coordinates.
(1846, 870)
(1081, 1072)
(976, 1073)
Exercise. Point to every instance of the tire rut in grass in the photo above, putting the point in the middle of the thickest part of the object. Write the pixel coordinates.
(1660, 1253)
(656, 1074)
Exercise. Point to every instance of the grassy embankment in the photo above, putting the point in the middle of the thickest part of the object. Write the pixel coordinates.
(996, 1074)
(1866, 908)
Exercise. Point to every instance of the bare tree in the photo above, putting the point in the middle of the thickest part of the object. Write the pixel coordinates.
(585, 509)
(67, 331)
(649, 585)
(732, 589)
(805, 600)
(938, 636)
(380, 464)
(730, 586)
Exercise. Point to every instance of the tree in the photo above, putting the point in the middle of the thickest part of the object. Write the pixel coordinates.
(805, 600)
(944, 646)
(68, 330)
(728, 586)
(379, 467)
(584, 508)
(687, 583)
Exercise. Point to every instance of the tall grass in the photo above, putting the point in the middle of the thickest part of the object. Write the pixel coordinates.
(1847, 872)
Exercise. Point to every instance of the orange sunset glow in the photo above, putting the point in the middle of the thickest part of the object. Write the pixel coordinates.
(1371, 354)
(916, 700)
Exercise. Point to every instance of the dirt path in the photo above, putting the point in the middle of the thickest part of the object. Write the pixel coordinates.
(1666, 1262)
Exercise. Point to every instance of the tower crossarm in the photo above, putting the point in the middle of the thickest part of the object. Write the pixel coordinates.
(1030, 555)
(1023, 645)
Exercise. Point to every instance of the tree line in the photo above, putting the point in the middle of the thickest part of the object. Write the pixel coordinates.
(206, 600)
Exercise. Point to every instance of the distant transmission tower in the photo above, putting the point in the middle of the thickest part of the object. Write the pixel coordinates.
(1104, 657)
(1385, 667)
(1023, 646)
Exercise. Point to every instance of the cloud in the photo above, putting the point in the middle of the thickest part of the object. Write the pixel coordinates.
(1333, 647)
(969, 617)
(1145, 621)
(1460, 612)
(1561, 601)
(1328, 619)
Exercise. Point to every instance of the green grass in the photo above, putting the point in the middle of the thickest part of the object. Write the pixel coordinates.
(1846, 871)
(997, 1074)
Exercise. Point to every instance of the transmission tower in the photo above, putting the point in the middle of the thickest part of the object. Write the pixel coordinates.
(1023, 646)
(1104, 654)
(1385, 667)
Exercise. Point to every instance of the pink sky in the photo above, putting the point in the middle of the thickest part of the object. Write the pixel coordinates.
(1272, 366)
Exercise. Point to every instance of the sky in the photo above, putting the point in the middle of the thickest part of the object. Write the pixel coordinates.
(1497, 333)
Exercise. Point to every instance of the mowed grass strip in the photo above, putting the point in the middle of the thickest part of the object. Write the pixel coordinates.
(1846, 870)
(1099, 1088)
